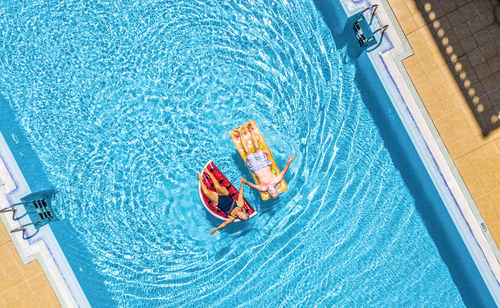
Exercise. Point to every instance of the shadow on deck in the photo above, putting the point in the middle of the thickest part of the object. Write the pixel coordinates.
(468, 35)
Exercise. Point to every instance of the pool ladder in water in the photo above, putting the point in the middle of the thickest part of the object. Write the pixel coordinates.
(42, 209)
(362, 29)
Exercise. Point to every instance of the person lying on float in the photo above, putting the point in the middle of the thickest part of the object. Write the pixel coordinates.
(221, 198)
(259, 164)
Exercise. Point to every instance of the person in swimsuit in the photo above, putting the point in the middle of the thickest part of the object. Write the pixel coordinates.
(259, 164)
(221, 198)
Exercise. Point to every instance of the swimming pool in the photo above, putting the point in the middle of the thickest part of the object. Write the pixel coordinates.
(125, 102)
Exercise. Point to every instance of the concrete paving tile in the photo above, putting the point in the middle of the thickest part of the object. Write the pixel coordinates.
(396, 2)
(433, 107)
(409, 61)
(43, 292)
(476, 89)
(489, 50)
(460, 3)
(487, 17)
(482, 70)
(476, 57)
(494, 64)
(429, 65)
(416, 72)
(416, 37)
(460, 149)
(497, 76)
(472, 184)
(490, 213)
(448, 105)
(468, 44)
(413, 7)
(435, 76)
(29, 270)
(449, 77)
(489, 83)
(400, 9)
(486, 177)
(485, 101)
(454, 130)
(497, 43)
(18, 296)
(468, 10)
(408, 25)
(441, 64)
(474, 181)
(483, 205)
(443, 90)
(426, 92)
(459, 32)
(10, 273)
(419, 20)
(494, 97)
(482, 37)
(475, 24)
(494, 30)
(456, 18)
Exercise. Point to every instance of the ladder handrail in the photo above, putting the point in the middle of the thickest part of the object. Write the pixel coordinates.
(374, 7)
(382, 31)
(10, 208)
(24, 229)
(42, 210)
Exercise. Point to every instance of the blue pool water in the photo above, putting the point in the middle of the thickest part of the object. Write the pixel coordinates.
(123, 102)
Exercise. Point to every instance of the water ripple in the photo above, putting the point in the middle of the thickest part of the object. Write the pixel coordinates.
(125, 101)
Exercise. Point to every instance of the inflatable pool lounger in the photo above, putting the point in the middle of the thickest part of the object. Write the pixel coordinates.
(233, 192)
(237, 140)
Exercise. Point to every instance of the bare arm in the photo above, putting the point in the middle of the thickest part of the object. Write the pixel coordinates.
(241, 201)
(258, 187)
(222, 225)
(282, 174)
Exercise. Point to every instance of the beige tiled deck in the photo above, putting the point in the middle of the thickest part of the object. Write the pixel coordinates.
(456, 71)
(22, 285)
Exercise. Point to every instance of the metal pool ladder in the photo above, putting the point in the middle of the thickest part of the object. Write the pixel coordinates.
(362, 29)
(42, 209)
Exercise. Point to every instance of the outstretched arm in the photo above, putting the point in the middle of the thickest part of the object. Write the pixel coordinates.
(258, 187)
(282, 174)
(225, 223)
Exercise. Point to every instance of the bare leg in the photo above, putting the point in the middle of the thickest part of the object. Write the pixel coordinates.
(221, 190)
(241, 201)
(244, 144)
(254, 139)
(212, 195)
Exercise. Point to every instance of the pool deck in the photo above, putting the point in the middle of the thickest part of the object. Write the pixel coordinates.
(455, 69)
(20, 283)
